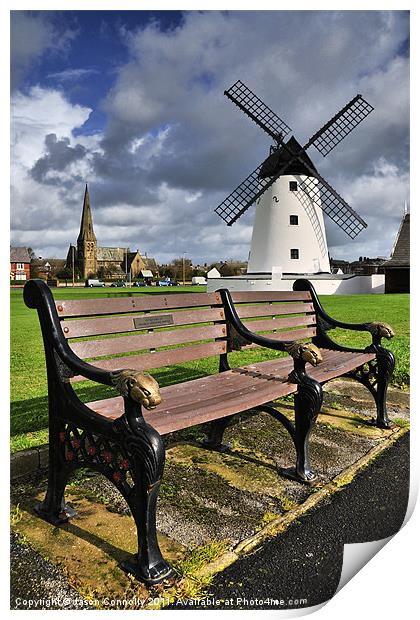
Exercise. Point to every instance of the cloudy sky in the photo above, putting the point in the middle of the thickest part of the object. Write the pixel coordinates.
(132, 103)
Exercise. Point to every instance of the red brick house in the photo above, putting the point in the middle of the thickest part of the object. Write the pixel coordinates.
(19, 264)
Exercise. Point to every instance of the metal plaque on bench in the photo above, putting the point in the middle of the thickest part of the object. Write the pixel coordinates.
(153, 320)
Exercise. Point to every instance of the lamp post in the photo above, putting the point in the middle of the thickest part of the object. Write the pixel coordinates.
(183, 268)
(127, 272)
(73, 249)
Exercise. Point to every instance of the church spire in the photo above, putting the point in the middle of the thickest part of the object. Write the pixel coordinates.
(86, 224)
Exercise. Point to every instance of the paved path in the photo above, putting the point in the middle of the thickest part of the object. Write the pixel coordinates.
(305, 562)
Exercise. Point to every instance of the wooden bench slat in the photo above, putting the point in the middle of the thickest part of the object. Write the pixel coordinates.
(273, 310)
(296, 334)
(254, 296)
(202, 400)
(116, 305)
(334, 364)
(280, 323)
(153, 340)
(161, 358)
(338, 369)
(80, 328)
(251, 392)
(188, 393)
(192, 392)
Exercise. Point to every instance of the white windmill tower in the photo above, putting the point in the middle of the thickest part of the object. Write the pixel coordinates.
(289, 232)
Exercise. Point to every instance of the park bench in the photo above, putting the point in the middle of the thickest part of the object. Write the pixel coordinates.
(122, 336)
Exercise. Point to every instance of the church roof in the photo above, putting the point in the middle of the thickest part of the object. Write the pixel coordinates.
(151, 264)
(401, 254)
(281, 156)
(110, 254)
(86, 224)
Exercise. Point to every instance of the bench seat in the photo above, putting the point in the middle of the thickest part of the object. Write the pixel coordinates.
(215, 396)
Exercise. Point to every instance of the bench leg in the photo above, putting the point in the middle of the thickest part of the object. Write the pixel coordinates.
(375, 376)
(385, 367)
(146, 454)
(214, 439)
(53, 508)
(149, 566)
(308, 402)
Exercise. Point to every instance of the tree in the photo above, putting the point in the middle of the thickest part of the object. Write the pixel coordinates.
(198, 271)
(182, 268)
(65, 274)
(175, 269)
(101, 273)
(232, 268)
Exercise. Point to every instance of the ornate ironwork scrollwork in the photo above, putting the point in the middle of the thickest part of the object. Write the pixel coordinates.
(81, 448)
(235, 341)
(375, 376)
(64, 372)
(323, 325)
(144, 447)
(367, 375)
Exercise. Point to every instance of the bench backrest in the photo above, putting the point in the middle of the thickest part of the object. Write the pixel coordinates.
(281, 315)
(152, 331)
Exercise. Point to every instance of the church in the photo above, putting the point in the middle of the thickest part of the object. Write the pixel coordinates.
(92, 260)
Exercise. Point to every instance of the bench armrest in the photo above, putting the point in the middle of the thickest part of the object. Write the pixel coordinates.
(325, 322)
(132, 384)
(300, 352)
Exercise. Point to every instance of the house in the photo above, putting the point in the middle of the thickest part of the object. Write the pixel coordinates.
(19, 264)
(46, 268)
(367, 266)
(339, 266)
(397, 268)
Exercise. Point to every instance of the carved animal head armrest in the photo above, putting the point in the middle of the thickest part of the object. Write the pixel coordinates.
(380, 330)
(140, 387)
(304, 352)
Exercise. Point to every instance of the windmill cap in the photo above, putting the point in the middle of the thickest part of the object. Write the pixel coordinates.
(280, 157)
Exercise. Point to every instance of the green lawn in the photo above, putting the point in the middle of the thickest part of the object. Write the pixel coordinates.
(28, 376)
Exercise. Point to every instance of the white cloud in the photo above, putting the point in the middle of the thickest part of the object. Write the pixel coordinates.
(32, 34)
(41, 213)
(37, 114)
(71, 75)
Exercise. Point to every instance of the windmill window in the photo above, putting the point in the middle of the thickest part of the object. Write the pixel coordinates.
(294, 220)
(294, 253)
(293, 186)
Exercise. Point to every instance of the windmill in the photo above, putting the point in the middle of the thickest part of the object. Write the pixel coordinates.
(291, 196)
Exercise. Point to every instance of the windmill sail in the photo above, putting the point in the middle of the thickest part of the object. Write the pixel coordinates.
(261, 114)
(330, 201)
(307, 201)
(243, 196)
(340, 125)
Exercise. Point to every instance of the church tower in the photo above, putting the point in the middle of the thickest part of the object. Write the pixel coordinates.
(86, 242)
